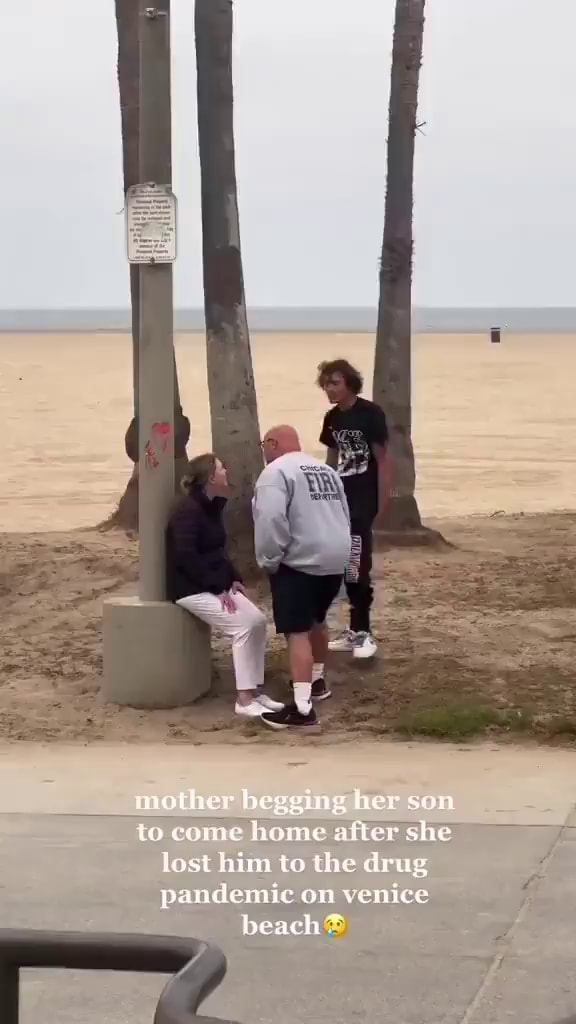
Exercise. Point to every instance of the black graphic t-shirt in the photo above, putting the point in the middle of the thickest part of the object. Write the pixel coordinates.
(353, 433)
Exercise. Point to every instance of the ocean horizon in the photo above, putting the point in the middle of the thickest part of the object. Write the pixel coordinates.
(354, 320)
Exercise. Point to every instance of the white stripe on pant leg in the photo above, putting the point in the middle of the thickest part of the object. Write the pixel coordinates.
(352, 573)
(246, 627)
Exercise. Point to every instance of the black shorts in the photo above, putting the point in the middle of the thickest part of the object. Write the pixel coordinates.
(300, 600)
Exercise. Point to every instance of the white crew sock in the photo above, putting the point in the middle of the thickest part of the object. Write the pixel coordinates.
(302, 694)
(317, 672)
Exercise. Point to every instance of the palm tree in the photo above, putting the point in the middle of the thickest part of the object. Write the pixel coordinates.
(233, 406)
(392, 367)
(127, 21)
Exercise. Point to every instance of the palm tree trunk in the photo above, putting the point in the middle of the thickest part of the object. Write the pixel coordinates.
(392, 368)
(233, 406)
(127, 21)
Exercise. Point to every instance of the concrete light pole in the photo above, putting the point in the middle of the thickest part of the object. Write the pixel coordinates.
(153, 212)
(155, 654)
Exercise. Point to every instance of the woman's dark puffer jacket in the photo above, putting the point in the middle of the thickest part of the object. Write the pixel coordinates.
(196, 558)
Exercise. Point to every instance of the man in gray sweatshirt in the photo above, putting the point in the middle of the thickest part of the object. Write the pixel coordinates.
(302, 540)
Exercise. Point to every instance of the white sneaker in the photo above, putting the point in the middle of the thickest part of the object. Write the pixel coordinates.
(252, 710)
(344, 644)
(268, 704)
(365, 646)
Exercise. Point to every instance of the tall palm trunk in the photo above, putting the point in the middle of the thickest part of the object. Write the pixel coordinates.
(392, 368)
(233, 407)
(127, 22)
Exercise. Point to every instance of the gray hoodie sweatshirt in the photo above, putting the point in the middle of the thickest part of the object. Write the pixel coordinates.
(301, 517)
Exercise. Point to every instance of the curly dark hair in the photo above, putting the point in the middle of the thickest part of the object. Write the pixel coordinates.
(353, 378)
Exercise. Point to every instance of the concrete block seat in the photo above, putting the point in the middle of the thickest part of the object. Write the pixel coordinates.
(156, 655)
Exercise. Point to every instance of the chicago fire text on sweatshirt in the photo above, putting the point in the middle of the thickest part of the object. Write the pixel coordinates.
(301, 517)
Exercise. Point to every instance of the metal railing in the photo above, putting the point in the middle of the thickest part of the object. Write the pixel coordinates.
(198, 967)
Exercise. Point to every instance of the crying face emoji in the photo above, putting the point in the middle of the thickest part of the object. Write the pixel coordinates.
(335, 926)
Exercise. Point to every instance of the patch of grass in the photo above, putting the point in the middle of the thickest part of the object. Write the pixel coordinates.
(457, 722)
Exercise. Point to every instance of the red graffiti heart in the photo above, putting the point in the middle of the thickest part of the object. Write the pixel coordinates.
(163, 430)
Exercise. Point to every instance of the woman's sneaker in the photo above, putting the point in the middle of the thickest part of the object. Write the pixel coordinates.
(365, 646)
(344, 644)
(268, 704)
(252, 710)
(290, 718)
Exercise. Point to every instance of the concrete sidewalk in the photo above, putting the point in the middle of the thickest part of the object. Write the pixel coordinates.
(495, 943)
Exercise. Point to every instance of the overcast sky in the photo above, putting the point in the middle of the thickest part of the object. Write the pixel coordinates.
(495, 202)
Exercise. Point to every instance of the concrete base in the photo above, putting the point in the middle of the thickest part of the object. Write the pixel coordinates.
(156, 655)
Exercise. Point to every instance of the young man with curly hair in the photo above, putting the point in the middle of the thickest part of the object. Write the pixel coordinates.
(355, 432)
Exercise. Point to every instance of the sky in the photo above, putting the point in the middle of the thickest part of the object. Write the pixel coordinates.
(495, 188)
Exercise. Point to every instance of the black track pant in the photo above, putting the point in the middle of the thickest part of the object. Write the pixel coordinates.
(359, 590)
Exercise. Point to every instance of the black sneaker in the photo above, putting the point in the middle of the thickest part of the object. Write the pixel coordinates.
(319, 690)
(290, 718)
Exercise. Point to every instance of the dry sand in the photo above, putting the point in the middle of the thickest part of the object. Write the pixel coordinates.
(490, 623)
(494, 425)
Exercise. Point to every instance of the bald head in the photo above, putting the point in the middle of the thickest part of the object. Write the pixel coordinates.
(280, 441)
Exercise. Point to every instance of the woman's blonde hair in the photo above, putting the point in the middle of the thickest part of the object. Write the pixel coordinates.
(200, 471)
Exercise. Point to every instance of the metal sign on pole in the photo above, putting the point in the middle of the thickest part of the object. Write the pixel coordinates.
(151, 224)
(151, 239)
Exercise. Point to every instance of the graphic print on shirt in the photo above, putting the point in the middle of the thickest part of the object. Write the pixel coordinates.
(353, 452)
(321, 483)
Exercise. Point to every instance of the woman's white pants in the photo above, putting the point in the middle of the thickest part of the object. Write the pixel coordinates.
(246, 627)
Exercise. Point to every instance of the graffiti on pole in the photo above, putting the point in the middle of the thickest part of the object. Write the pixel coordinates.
(161, 431)
(157, 446)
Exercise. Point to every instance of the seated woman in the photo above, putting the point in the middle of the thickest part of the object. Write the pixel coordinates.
(202, 580)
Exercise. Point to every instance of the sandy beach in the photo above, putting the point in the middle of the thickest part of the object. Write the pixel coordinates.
(478, 637)
(494, 425)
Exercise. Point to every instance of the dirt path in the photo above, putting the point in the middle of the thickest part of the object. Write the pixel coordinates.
(478, 638)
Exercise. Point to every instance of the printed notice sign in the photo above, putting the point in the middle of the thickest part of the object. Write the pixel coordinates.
(151, 224)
